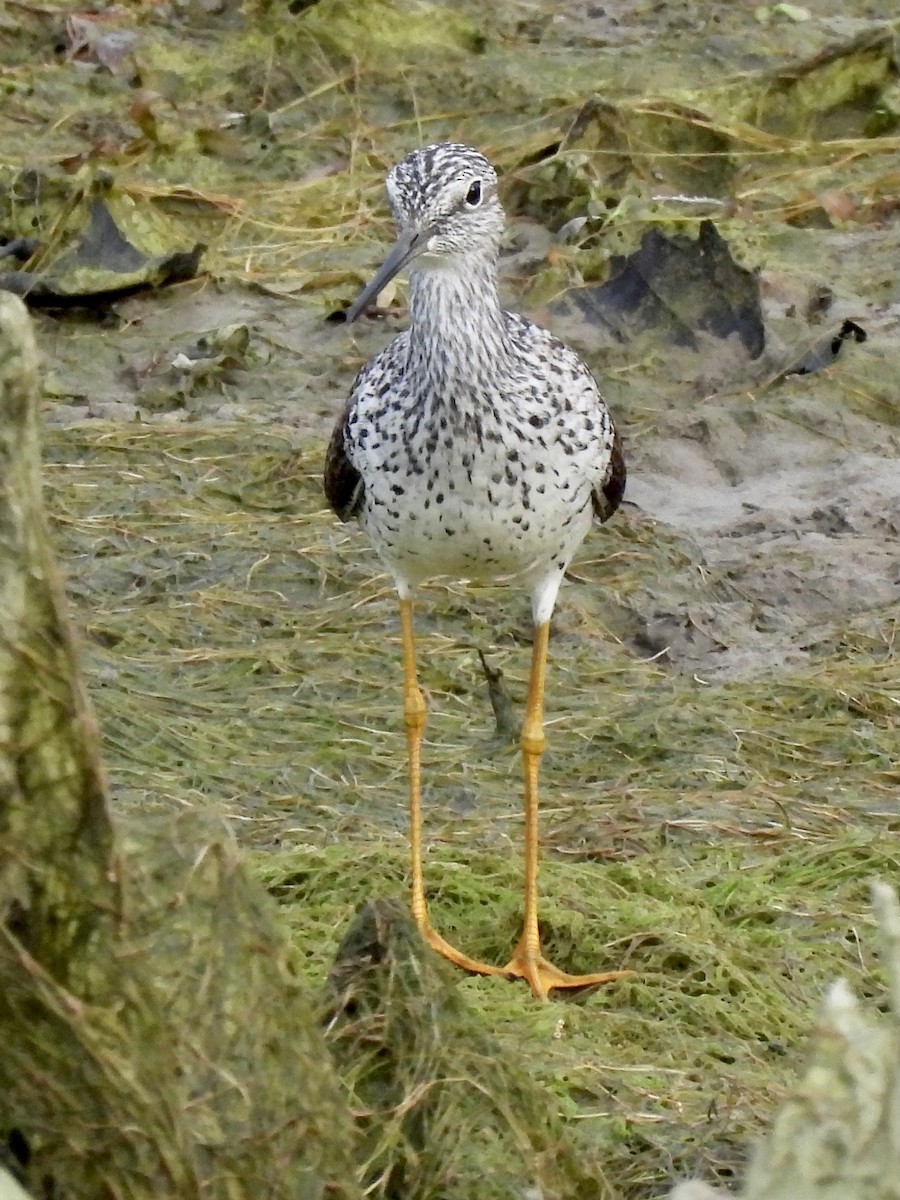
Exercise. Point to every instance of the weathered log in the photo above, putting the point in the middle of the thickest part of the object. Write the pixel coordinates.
(443, 1109)
(153, 1039)
(837, 1137)
(58, 872)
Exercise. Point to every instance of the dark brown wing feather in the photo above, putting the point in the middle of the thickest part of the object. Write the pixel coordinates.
(608, 498)
(343, 486)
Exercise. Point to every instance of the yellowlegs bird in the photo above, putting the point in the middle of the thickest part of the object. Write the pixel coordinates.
(475, 445)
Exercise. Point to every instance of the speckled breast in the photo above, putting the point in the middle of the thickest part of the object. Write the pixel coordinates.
(469, 495)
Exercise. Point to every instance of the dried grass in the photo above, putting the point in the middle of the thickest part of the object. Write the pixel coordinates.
(239, 644)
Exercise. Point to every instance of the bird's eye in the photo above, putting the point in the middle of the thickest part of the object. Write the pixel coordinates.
(473, 195)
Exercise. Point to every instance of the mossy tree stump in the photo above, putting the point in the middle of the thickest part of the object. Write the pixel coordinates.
(153, 1041)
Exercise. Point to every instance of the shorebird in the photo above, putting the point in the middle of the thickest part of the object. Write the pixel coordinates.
(475, 445)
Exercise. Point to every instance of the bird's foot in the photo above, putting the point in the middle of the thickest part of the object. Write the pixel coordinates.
(543, 977)
(436, 942)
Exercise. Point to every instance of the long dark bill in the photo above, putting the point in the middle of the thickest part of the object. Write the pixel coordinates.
(407, 246)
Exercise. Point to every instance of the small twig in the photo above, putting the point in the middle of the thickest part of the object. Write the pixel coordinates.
(507, 722)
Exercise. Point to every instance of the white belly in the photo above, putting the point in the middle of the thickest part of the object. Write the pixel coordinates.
(445, 522)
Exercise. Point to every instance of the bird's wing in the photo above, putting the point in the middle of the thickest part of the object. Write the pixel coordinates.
(342, 482)
(608, 496)
(609, 480)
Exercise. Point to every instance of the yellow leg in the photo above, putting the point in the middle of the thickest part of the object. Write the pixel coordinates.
(415, 715)
(527, 961)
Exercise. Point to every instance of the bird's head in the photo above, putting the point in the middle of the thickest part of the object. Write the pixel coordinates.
(445, 205)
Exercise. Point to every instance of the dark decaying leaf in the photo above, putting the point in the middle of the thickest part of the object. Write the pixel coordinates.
(103, 266)
(826, 351)
(19, 248)
(679, 287)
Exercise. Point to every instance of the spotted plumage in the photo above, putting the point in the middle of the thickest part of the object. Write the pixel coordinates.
(475, 445)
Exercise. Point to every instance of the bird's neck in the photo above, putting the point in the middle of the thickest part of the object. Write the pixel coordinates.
(457, 334)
